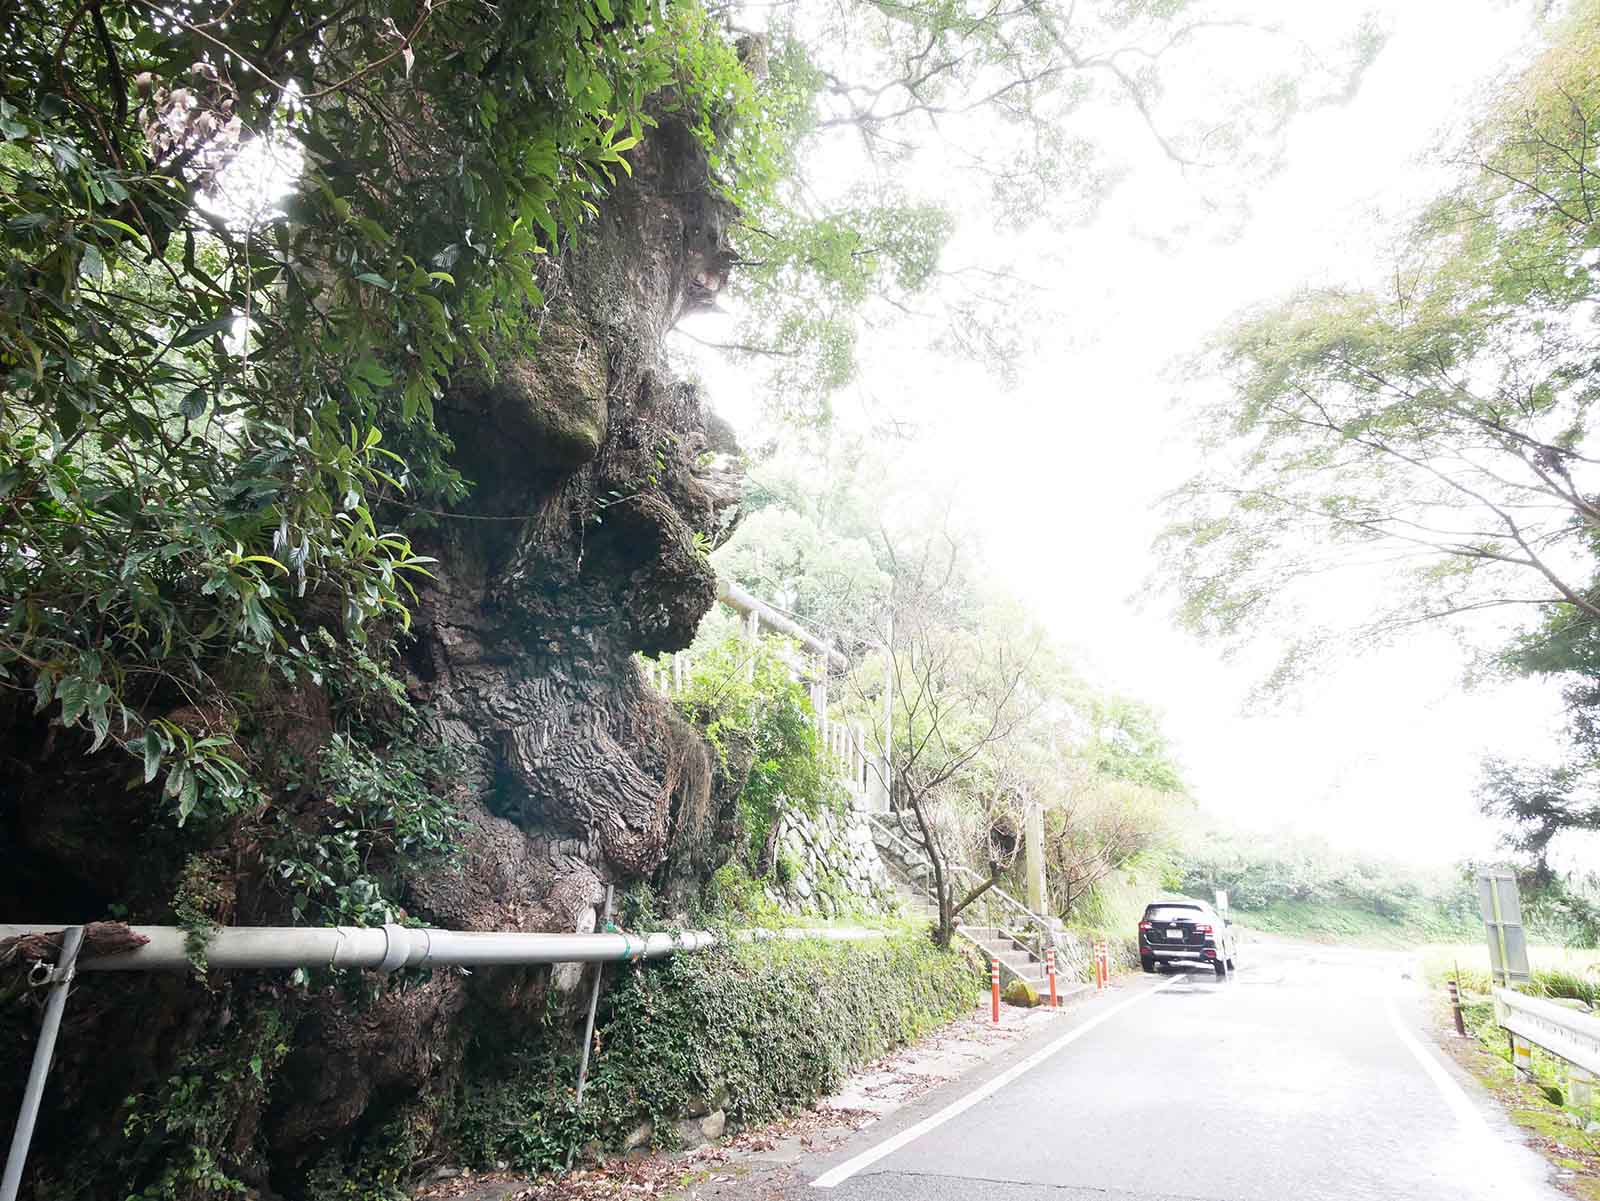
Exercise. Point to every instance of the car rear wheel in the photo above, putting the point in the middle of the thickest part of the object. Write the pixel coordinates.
(1149, 965)
(1222, 970)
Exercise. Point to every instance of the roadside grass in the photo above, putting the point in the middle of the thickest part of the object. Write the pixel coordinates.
(1557, 971)
(1541, 1105)
(1350, 924)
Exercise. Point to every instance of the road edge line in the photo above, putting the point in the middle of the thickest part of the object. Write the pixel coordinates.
(1454, 1095)
(838, 1175)
(1490, 1143)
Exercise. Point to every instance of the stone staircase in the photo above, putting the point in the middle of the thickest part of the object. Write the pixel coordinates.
(912, 875)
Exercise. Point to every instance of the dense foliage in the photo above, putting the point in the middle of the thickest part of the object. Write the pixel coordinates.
(989, 717)
(1436, 423)
(1258, 872)
(736, 1027)
(1302, 885)
(245, 247)
(748, 699)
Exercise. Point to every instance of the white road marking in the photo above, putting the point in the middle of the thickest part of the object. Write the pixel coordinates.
(1489, 1146)
(837, 1176)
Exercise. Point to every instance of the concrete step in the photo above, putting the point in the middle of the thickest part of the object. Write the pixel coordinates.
(1010, 956)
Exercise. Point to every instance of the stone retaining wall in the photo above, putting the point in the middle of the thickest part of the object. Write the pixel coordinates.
(827, 864)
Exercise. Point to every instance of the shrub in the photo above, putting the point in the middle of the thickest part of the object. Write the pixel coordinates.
(744, 694)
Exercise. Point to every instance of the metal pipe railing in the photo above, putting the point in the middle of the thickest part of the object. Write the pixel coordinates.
(386, 948)
(737, 599)
(389, 948)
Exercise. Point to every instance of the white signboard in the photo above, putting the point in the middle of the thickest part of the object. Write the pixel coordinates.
(1222, 900)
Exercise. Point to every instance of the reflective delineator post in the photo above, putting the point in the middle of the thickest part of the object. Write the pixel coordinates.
(994, 988)
(1102, 973)
(1050, 970)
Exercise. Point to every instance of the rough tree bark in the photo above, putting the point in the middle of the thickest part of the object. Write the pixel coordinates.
(575, 549)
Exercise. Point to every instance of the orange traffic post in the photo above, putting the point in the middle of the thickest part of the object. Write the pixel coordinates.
(1050, 970)
(994, 987)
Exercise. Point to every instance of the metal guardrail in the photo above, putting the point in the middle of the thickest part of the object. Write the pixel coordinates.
(1568, 1034)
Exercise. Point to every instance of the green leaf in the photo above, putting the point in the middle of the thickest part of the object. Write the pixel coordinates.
(268, 559)
(188, 795)
(153, 750)
(373, 372)
(102, 726)
(74, 698)
(193, 406)
(199, 333)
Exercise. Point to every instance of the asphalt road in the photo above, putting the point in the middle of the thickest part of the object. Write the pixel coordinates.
(1304, 1077)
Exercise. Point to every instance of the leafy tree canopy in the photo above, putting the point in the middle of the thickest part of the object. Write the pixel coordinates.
(207, 406)
(908, 112)
(1430, 435)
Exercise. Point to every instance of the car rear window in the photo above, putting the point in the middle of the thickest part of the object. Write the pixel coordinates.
(1171, 913)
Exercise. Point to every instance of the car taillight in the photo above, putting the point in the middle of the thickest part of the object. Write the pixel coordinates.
(1204, 929)
(1210, 953)
(1145, 926)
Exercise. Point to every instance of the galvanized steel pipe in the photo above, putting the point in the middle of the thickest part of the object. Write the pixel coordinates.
(388, 948)
(60, 982)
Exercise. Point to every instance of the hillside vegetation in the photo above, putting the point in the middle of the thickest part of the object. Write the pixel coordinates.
(1304, 887)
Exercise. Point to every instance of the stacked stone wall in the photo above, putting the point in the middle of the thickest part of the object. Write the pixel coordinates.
(827, 864)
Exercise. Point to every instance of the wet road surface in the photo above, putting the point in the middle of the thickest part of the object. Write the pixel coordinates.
(1306, 1076)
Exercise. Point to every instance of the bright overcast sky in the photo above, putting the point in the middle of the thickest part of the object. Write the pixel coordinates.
(1059, 475)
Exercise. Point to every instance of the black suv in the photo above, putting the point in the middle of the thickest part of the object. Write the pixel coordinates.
(1185, 931)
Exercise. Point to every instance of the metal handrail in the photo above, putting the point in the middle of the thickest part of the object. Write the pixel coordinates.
(965, 873)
